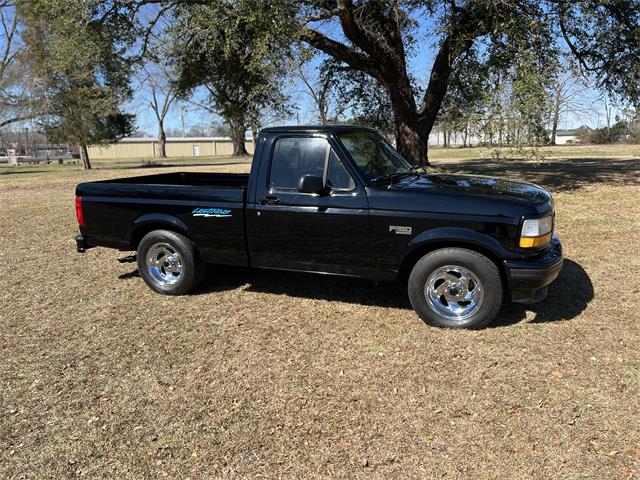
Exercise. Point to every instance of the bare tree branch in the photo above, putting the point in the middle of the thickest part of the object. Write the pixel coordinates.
(340, 51)
(20, 118)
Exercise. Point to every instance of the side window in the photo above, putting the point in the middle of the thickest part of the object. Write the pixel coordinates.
(297, 156)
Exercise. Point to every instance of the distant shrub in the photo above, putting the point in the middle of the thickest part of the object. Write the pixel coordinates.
(634, 132)
(618, 133)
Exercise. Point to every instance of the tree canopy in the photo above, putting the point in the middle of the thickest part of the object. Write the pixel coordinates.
(378, 35)
(79, 71)
(239, 50)
(238, 56)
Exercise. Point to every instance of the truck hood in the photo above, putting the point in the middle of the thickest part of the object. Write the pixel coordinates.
(461, 195)
(523, 192)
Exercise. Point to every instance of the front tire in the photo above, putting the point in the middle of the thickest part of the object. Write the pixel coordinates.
(455, 288)
(169, 263)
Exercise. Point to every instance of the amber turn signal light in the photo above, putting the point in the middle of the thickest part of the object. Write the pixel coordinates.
(534, 242)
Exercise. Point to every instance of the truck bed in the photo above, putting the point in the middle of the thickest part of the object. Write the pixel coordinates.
(192, 179)
(209, 206)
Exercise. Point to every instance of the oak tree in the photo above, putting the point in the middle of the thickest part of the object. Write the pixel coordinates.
(602, 34)
(235, 52)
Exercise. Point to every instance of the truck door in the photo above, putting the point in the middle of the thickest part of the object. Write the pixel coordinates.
(304, 231)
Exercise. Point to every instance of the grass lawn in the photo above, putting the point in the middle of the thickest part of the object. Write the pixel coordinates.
(135, 166)
(265, 374)
(551, 152)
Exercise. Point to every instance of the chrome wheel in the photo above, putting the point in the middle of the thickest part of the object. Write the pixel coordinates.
(454, 292)
(164, 264)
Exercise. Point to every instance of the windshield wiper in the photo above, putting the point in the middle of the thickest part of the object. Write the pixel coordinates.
(392, 176)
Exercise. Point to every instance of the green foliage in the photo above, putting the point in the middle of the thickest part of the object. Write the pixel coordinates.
(502, 95)
(370, 102)
(79, 71)
(364, 98)
(496, 59)
(618, 132)
(531, 85)
(239, 52)
(519, 41)
(522, 62)
(634, 126)
(604, 35)
(468, 97)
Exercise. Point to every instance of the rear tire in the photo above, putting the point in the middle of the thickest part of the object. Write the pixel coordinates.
(169, 263)
(455, 288)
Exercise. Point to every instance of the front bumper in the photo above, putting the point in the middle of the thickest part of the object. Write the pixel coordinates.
(529, 278)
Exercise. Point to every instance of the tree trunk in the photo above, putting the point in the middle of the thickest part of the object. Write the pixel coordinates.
(322, 105)
(238, 139)
(411, 139)
(162, 141)
(255, 131)
(556, 117)
(84, 156)
(410, 142)
(322, 114)
(437, 87)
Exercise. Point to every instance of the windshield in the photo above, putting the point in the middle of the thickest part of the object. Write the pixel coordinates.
(373, 155)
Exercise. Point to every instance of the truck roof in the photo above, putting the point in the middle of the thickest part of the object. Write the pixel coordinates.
(316, 128)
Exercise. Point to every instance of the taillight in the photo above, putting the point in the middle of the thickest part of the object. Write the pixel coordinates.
(79, 214)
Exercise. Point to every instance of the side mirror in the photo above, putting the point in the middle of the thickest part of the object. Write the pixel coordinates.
(311, 184)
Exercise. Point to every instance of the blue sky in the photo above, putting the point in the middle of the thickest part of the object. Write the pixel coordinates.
(419, 66)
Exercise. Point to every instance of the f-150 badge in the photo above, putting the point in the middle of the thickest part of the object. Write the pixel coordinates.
(211, 212)
(400, 230)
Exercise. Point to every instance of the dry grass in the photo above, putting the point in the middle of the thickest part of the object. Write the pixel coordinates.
(613, 151)
(263, 374)
(136, 166)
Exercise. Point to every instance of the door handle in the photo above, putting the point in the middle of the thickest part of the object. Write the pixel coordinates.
(270, 200)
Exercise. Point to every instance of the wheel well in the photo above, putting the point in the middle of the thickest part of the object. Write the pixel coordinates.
(418, 253)
(142, 230)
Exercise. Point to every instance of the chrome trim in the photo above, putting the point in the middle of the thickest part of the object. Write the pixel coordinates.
(454, 292)
(164, 264)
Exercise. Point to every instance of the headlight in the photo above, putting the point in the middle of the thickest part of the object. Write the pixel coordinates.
(536, 232)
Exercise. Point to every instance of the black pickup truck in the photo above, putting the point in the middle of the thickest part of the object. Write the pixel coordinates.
(339, 200)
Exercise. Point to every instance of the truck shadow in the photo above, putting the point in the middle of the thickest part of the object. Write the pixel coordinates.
(568, 296)
(306, 285)
(557, 175)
